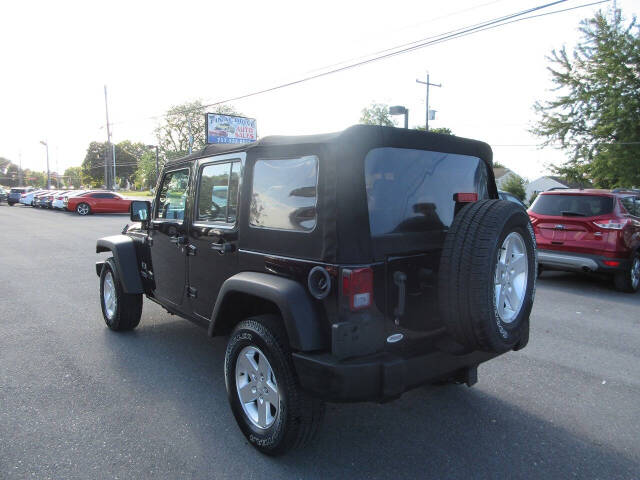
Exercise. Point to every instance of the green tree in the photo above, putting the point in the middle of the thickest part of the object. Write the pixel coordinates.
(181, 120)
(444, 130)
(376, 114)
(515, 184)
(93, 163)
(533, 197)
(595, 117)
(146, 173)
(73, 176)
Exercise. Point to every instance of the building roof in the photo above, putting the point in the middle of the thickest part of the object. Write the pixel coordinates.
(500, 172)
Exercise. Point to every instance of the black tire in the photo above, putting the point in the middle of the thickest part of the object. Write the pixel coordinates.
(11, 204)
(624, 281)
(128, 307)
(83, 209)
(467, 276)
(298, 414)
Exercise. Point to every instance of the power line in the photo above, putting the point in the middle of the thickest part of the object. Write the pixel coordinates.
(409, 47)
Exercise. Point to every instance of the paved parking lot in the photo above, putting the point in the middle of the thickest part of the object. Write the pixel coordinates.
(79, 401)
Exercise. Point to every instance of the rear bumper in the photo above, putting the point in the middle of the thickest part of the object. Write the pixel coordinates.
(382, 376)
(579, 262)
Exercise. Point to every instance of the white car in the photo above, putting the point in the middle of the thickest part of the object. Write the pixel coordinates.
(60, 201)
(27, 198)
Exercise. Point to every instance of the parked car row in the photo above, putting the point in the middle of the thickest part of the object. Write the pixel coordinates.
(83, 202)
(590, 231)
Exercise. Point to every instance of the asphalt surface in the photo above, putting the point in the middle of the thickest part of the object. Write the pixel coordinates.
(80, 401)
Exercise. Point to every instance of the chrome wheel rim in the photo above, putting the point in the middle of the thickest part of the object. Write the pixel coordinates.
(511, 277)
(83, 209)
(109, 296)
(257, 387)
(635, 273)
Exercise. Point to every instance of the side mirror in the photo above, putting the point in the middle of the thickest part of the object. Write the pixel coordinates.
(140, 210)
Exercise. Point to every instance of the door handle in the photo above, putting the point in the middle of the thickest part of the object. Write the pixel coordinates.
(223, 248)
(178, 240)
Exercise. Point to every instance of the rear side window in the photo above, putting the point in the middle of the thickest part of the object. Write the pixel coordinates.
(572, 205)
(284, 194)
(412, 190)
(631, 205)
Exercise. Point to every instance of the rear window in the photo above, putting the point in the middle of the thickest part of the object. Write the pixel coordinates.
(17, 190)
(572, 205)
(412, 190)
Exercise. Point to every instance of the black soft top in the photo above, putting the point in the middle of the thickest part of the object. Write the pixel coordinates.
(342, 234)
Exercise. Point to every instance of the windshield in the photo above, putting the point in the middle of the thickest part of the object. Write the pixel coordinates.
(412, 190)
(572, 205)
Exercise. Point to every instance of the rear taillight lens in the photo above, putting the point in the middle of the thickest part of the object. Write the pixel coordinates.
(465, 197)
(611, 263)
(357, 286)
(612, 223)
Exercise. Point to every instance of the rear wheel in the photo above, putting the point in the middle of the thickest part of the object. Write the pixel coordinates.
(121, 311)
(272, 411)
(629, 280)
(83, 209)
(487, 276)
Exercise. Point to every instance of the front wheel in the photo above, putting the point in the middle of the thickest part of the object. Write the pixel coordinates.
(629, 280)
(272, 411)
(121, 311)
(83, 209)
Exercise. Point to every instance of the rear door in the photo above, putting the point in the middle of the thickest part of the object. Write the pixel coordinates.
(411, 205)
(168, 237)
(213, 235)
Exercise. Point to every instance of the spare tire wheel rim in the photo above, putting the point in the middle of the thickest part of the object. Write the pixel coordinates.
(109, 296)
(257, 387)
(511, 277)
(635, 273)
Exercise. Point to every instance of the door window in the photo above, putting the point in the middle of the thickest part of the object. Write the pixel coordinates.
(172, 196)
(218, 193)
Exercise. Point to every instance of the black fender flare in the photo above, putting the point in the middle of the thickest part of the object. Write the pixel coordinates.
(301, 320)
(124, 254)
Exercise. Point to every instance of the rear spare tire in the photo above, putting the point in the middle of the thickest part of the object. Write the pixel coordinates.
(487, 276)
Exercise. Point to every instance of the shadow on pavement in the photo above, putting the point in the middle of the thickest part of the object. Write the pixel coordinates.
(586, 284)
(431, 432)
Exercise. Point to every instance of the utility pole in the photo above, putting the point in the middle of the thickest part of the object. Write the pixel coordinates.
(106, 157)
(190, 134)
(428, 84)
(46, 144)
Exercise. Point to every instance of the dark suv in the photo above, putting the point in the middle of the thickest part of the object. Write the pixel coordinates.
(590, 231)
(344, 267)
(15, 193)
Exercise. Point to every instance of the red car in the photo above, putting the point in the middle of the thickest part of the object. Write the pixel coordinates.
(590, 231)
(98, 202)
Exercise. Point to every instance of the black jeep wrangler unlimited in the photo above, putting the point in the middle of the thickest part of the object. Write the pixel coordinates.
(344, 267)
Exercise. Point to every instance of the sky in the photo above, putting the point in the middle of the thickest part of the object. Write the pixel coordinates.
(56, 58)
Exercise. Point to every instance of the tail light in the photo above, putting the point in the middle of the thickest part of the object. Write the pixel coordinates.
(612, 223)
(611, 263)
(357, 286)
(461, 197)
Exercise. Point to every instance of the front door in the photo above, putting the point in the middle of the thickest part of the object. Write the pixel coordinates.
(213, 233)
(168, 237)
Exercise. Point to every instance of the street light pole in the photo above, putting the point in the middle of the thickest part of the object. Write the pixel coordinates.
(157, 162)
(400, 110)
(428, 84)
(48, 174)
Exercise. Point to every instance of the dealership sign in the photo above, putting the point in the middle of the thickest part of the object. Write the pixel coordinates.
(230, 129)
